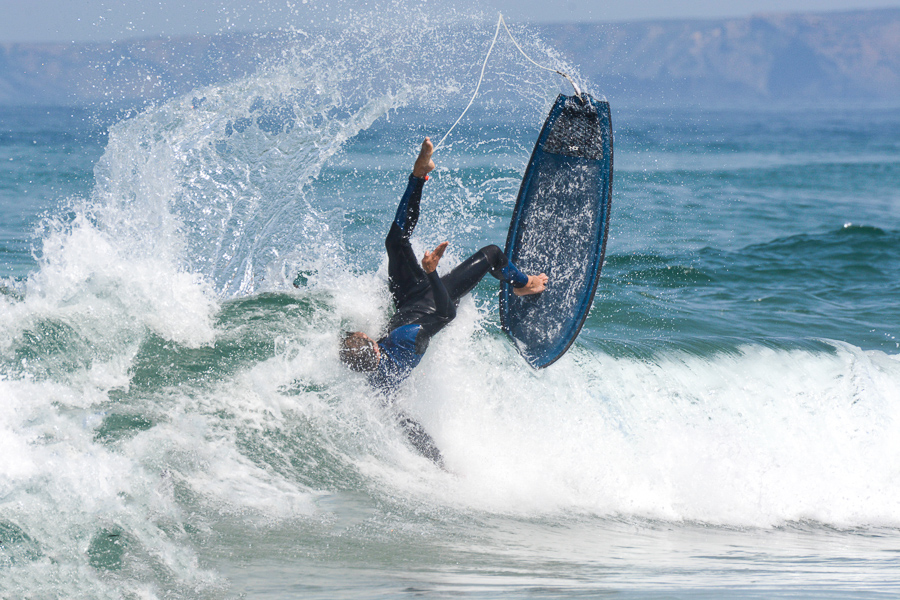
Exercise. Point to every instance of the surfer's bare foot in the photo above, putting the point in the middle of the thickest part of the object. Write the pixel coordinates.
(535, 285)
(424, 165)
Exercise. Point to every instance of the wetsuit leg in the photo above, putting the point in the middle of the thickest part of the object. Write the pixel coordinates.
(490, 259)
(405, 276)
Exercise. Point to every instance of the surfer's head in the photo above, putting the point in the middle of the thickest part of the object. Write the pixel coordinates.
(359, 352)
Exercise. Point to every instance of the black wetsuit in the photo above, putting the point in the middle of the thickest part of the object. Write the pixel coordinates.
(425, 303)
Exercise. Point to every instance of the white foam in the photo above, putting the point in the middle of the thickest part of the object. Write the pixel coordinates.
(63, 489)
(760, 438)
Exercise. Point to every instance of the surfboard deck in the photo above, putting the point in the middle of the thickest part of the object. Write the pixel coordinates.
(559, 227)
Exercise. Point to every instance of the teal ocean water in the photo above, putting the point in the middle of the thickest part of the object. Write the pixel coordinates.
(174, 421)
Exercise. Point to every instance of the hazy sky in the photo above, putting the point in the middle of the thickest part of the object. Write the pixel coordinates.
(103, 20)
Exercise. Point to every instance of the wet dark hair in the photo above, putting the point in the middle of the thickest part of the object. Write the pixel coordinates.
(358, 352)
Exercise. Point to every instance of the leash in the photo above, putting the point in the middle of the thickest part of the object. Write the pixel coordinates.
(500, 21)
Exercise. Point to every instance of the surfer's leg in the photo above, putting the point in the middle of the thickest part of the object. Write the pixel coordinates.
(407, 214)
(522, 284)
(490, 259)
(405, 275)
(503, 269)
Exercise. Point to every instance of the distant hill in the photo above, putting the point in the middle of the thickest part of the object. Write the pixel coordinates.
(777, 58)
(808, 58)
(126, 72)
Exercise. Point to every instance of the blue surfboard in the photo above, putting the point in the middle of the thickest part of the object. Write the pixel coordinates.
(559, 227)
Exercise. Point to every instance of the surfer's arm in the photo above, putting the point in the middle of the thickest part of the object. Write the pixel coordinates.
(442, 302)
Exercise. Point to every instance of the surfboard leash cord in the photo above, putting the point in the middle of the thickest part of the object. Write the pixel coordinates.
(502, 21)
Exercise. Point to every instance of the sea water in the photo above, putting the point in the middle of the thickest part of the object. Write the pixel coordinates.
(174, 421)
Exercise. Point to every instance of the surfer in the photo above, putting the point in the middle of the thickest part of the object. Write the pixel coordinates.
(425, 301)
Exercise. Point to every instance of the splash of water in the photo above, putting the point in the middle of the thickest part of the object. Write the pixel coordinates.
(205, 199)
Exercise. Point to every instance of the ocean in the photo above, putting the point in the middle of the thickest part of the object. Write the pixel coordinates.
(175, 423)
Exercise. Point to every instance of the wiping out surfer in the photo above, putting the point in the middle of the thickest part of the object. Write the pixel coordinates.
(425, 301)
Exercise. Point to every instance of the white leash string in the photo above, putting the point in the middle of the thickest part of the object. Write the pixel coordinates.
(577, 91)
(477, 87)
(484, 66)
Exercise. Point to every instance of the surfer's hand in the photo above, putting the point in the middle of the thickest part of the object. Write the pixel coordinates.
(431, 259)
(424, 165)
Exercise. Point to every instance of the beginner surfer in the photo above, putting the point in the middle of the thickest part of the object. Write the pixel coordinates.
(425, 302)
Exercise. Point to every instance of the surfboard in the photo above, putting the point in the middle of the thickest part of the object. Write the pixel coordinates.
(559, 227)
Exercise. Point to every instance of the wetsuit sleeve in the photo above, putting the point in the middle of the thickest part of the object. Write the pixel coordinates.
(444, 305)
(407, 212)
